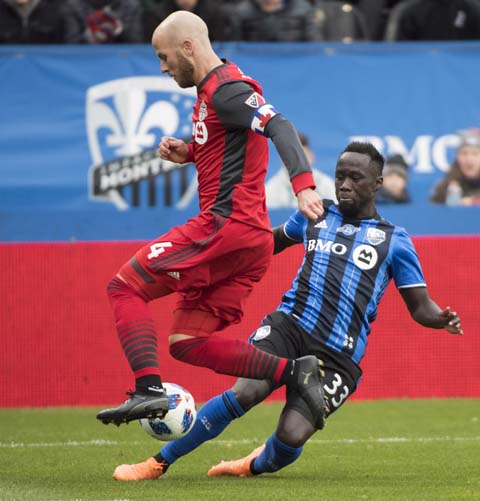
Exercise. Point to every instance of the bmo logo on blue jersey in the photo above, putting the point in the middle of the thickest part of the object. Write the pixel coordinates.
(364, 256)
(329, 246)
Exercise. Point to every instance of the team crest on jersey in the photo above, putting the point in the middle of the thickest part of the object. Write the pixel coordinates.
(202, 111)
(375, 236)
(255, 100)
(261, 117)
(261, 333)
(348, 229)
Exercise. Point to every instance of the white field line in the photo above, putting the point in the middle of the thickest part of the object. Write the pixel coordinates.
(230, 443)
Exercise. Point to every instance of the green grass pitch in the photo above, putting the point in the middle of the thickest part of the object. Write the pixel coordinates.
(397, 449)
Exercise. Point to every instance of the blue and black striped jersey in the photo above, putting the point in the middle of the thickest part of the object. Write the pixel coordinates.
(345, 271)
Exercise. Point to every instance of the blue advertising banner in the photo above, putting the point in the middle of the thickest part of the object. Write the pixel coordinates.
(79, 127)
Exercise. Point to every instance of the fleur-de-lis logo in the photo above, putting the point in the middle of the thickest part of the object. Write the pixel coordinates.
(126, 117)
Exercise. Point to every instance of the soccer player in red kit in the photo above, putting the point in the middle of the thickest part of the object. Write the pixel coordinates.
(215, 258)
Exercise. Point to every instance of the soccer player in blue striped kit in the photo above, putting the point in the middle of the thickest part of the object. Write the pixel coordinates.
(351, 254)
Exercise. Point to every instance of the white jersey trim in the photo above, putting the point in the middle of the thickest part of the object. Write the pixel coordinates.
(287, 235)
(411, 286)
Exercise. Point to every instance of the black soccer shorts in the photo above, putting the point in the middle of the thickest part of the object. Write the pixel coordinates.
(281, 335)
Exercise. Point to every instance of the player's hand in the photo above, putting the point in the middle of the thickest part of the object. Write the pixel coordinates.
(309, 203)
(172, 149)
(451, 321)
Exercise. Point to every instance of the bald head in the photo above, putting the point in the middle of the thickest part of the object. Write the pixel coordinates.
(181, 25)
(181, 43)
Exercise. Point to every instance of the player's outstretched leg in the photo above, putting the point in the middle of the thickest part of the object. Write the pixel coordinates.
(305, 375)
(234, 357)
(212, 419)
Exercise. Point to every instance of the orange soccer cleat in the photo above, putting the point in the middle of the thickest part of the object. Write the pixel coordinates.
(150, 469)
(237, 467)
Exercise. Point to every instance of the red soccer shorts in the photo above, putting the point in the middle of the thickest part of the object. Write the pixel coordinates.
(211, 261)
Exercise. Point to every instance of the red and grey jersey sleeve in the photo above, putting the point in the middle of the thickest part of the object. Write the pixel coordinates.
(237, 105)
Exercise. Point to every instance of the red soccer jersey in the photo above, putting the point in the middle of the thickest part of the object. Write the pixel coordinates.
(231, 159)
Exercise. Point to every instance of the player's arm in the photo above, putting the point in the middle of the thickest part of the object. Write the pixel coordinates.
(286, 141)
(237, 105)
(408, 276)
(289, 233)
(281, 240)
(427, 313)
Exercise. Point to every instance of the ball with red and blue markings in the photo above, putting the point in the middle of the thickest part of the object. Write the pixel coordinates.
(179, 419)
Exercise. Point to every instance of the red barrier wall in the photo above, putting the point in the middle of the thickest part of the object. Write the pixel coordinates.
(59, 346)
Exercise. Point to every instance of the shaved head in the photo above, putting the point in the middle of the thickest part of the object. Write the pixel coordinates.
(182, 25)
(181, 43)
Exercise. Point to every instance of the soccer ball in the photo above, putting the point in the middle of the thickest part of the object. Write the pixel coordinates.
(179, 419)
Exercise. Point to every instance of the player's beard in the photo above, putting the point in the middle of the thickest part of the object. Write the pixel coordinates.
(349, 210)
(185, 70)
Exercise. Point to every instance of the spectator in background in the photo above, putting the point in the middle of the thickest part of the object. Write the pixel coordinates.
(341, 21)
(395, 180)
(272, 21)
(376, 14)
(104, 21)
(32, 21)
(461, 184)
(155, 11)
(434, 20)
(278, 189)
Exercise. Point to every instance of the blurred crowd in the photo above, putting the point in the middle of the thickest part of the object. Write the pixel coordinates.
(460, 186)
(133, 21)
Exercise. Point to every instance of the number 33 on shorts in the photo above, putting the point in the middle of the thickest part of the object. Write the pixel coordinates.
(335, 390)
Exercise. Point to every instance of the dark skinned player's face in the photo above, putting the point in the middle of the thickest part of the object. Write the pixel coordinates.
(356, 182)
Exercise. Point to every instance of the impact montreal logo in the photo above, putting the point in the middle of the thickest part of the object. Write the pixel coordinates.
(125, 120)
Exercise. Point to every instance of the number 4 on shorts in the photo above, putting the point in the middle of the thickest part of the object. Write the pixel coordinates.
(157, 249)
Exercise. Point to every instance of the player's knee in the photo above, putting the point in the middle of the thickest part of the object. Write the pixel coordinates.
(189, 349)
(119, 290)
(293, 439)
(173, 348)
(250, 392)
(116, 287)
(294, 429)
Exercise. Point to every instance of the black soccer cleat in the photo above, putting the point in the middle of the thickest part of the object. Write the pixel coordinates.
(306, 377)
(151, 404)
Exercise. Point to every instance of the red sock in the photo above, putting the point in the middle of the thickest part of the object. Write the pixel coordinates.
(135, 328)
(229, 356)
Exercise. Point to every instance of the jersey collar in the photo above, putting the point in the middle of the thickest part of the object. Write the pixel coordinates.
(210, 73)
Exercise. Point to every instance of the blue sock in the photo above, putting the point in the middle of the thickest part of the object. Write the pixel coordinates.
(211, 420)
(275, 456)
